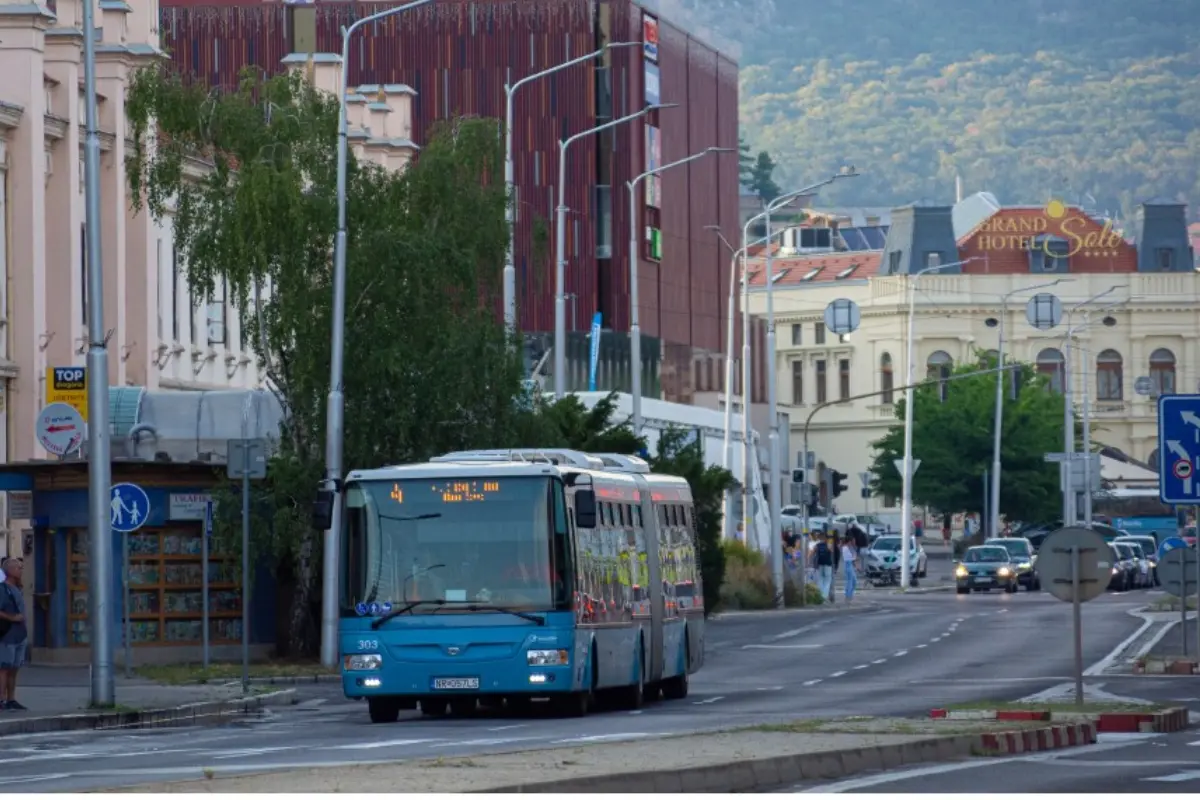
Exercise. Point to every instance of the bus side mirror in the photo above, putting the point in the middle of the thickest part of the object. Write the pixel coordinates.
(585, 508)
(322, 510)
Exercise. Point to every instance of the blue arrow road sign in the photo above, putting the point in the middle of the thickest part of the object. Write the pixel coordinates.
(130, 507)
(1169, 544)
(1179, 449)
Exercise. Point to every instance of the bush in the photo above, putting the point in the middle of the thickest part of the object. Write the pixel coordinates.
(749, 584)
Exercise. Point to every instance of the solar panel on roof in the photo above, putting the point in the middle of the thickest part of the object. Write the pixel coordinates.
(876, 236)
(855, 240)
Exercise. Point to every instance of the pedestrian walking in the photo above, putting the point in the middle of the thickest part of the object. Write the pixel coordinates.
(849, 558)
(14, 634)
(823, 564)
(861, 543)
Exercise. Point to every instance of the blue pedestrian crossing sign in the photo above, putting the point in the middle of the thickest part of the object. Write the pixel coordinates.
(1179, 449)
(130, 507)
(1169, 544)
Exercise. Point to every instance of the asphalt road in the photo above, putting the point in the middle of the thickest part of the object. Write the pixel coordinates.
(1116, 764)
(897, 655)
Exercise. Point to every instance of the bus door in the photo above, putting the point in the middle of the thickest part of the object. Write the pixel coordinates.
(654, 584)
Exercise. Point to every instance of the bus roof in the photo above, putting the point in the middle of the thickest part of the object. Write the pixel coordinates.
(451, 469)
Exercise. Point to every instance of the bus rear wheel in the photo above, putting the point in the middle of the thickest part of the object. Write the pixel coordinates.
(383, 709)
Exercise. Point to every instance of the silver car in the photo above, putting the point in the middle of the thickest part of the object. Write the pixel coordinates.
(884, 556)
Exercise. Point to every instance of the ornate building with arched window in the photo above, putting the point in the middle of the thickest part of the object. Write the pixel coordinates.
(970, 271)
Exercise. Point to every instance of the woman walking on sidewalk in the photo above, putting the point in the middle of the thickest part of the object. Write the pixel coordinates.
(849, 558)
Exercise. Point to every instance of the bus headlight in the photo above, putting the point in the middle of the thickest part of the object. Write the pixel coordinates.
(547, 658)
(362, 663)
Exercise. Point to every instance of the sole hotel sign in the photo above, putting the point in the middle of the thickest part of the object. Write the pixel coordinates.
(1078, 232)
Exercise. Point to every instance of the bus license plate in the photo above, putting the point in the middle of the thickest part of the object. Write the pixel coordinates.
(456, 683)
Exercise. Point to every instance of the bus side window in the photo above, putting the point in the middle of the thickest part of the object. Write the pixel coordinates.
(662, 513)
(637, 516)
(558, 497)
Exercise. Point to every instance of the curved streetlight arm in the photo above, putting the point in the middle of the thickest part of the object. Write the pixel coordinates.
(565, 143)
(631, 184)
(511, 88)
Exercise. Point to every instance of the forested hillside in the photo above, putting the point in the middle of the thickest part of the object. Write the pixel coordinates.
(1094, 101)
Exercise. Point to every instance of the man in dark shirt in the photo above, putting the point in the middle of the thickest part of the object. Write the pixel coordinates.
(14, 638)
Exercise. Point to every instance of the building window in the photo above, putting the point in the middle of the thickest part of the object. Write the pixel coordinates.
(819, 334)
(894, 261)
(1164, 259)
(603, 222)
(1050, 255)
(844, 379)
(1162, 371)
(797, 383)
(797, 334)
(218, 318)
(1050, 364)
(83, 274)
(933, 259)
(887, 379)
(603, 93)
(1109, 376)
(174, 292)
(822, 395)
(938, 367)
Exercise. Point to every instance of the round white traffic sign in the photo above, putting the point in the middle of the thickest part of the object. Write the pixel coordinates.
(1044, 311)
(1182, 469)
(1055, 569)
(60, 429)
(1177, 572)
(842, 316)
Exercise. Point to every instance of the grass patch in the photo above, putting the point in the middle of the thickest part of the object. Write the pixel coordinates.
(181, 674)
(1171, 604)
(1059, 707)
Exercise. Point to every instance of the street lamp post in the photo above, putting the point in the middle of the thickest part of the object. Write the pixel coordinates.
(560, 271)
(1069, 505)
(635, 328)
(510, 213)
(774, 499)
(335, 405)
(100, 568)
(907, 470)
(994, 520)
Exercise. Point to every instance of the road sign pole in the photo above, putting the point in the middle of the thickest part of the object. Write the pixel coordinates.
(1183, 618)
(208, 528)
(1077, 623)
(128, 608)
(246, 571)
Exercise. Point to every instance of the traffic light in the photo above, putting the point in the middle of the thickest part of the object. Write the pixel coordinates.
(837, 480)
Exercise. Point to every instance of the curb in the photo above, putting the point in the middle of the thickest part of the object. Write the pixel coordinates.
(211, 712)
(1168, 721)
(765, 773)
(922, 590)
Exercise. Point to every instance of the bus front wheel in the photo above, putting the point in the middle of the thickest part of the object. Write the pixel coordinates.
(383, 709)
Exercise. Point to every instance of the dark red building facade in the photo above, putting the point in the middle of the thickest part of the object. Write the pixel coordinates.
(458, 55)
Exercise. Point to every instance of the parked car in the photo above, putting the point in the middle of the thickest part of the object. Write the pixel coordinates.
(1024, 556)
(1149, 548)
(872, 525)
(986, 567)
(1139, 566)
(883, 557)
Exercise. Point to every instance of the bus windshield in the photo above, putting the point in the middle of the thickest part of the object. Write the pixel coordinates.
(499, 541)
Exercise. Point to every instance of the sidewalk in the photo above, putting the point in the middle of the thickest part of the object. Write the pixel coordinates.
(58, 698)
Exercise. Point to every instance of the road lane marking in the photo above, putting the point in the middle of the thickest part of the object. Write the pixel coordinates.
(781, 646)
(815, 681)
(1178, 777)
(921, 645)
(604, 737)
(798, 631)
(879, 661)
(768, 688)
(486, 742)
(507, 727)
(709, 700)
(838, 674)
(378, 745)
(862, 666)
(247, 752)
(899, 653)
(1103, 664)
(935, 639)
(34, 778)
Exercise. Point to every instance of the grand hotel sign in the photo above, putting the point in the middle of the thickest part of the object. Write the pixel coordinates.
(1053, 225)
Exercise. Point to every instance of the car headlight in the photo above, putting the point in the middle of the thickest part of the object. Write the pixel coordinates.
(361, 663)
(1025, 565)
(961, 572)
(1115, 570)
(547, 658)
(1004, 572)
(1153, 564)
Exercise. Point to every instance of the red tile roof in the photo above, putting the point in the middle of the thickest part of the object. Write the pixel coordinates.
(817, 268)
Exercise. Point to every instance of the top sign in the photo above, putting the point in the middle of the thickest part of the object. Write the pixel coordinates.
(67, 385)
(649, 38)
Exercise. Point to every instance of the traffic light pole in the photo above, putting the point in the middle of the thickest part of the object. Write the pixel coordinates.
(866, 395)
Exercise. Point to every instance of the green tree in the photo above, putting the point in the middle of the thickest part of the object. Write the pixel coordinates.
(761, 178)
(745, 161)
(953, 440)
(428, 367)
(568, 423)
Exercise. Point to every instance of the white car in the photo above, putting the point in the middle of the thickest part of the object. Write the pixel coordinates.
(884, 555)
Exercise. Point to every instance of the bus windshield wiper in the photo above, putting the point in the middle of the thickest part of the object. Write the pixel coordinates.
(409, 606)
(469, 606)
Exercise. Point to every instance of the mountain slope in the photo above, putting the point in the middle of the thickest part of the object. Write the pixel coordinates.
(1093, 101)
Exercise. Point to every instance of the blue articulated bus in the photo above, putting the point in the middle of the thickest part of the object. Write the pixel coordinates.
(500, 578)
